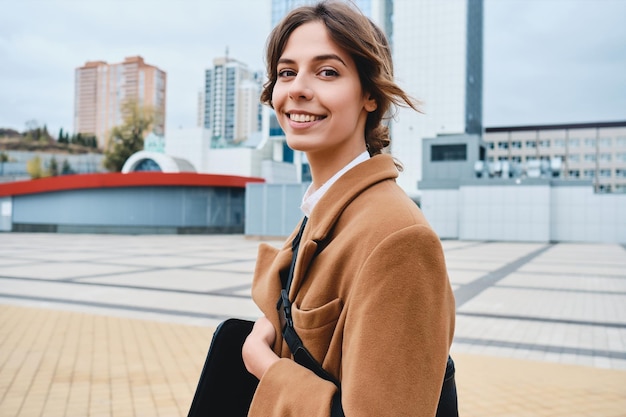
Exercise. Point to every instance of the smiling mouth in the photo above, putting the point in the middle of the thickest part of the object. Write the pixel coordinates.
(304, 118)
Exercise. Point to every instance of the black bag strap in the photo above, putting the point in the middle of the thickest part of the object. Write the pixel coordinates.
(300, 353)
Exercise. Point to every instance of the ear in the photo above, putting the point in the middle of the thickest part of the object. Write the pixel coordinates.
(370, 104)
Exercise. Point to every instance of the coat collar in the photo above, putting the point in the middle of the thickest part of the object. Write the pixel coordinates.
(332, 204)
(345, 190)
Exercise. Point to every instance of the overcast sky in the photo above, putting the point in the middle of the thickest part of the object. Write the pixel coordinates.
(545, 61)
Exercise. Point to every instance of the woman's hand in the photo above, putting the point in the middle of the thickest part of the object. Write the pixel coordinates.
(257, 351)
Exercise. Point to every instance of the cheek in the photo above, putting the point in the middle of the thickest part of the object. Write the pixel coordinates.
(278, 96)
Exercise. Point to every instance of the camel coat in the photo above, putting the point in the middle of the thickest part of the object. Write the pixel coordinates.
(371, 302)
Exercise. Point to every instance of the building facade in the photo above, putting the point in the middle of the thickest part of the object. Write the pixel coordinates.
(101, 89)
(231, 106)
(438, 59)
(590, 151)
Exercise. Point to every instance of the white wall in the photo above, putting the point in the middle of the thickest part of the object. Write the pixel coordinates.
(511, 213)
(580, 215)
(441, 208)
(529, 213)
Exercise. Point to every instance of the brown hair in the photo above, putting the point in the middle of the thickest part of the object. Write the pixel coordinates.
(368, 47)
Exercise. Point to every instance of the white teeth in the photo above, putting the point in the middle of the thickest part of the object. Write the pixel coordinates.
(302, 118)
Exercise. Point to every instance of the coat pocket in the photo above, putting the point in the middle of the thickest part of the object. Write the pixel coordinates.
(316, 326)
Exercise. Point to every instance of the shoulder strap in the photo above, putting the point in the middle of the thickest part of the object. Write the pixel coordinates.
(300, 353)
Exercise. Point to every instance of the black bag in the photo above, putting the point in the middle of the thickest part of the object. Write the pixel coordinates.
(225, 387)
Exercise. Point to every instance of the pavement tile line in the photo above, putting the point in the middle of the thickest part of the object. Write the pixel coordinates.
(465, 292)
(558, 289)
(225, 292)
(542, 319)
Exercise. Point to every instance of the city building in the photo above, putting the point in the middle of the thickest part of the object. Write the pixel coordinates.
(590, 151)
(438, 59)
(101, 89)
(231, 105)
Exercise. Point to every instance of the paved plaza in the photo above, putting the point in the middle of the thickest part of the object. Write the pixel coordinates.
(111, 325)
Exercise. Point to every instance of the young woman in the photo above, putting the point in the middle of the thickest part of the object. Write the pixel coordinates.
(371, 298)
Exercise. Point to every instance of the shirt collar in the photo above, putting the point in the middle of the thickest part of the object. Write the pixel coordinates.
(311, 197)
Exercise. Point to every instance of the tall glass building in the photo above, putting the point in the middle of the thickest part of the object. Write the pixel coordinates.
(438, 58)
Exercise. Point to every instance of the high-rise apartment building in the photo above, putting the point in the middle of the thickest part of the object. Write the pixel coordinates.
(438, 59)
(101, 89)
(231, 102)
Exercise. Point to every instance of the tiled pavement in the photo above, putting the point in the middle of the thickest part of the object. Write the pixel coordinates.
(102, 325)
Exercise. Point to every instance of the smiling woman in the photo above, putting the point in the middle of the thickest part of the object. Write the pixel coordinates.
(357, 306)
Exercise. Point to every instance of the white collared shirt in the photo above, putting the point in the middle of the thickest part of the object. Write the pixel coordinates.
(311, 197)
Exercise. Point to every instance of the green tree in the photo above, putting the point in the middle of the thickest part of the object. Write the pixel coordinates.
(62, 138)
(66, 168)
(3, 158)
(127, 138)
(53, 168)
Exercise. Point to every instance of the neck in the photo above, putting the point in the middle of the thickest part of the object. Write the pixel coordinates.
(323, 167)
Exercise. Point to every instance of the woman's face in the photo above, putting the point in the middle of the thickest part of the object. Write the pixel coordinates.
(318, 98)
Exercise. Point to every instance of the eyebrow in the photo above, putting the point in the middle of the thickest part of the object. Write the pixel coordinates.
(318, 58)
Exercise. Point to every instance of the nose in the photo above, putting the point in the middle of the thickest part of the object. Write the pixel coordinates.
(300, 89)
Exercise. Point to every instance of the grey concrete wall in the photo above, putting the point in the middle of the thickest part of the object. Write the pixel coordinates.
(273, 209)
(6, 210)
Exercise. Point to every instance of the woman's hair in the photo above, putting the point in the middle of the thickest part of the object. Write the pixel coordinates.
(364, 42)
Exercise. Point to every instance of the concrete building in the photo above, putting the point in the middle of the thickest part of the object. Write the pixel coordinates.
(231, 102)
(592, 151)
(101, 89)
(438, 59)
(460, 203)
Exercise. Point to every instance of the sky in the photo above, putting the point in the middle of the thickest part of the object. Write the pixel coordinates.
(545, 61)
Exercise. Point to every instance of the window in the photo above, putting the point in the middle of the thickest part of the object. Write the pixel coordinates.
(544, 143)
(503, 145)
(574, 173)
(590, 173)
(516, 144)
(456, 152)
(490, 145)
(590, 142)
(605, 142)
(531, 144)
(574, 158)
(620, 156)
(574, 143)
(605, 173)
(559, 143)
(516, 159)
(621, 141)
(605, 157)
(620, 173)
(590, 157)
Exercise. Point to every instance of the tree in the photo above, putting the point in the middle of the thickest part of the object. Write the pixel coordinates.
(127, 138)
(53, 168)
(3, 158)
(62, 138)
(34, 168)
(66, 169)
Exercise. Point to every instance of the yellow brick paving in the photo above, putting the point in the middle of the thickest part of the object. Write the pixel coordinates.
(68, 364)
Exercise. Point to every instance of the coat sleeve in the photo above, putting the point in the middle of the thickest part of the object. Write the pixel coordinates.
(398, 329)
